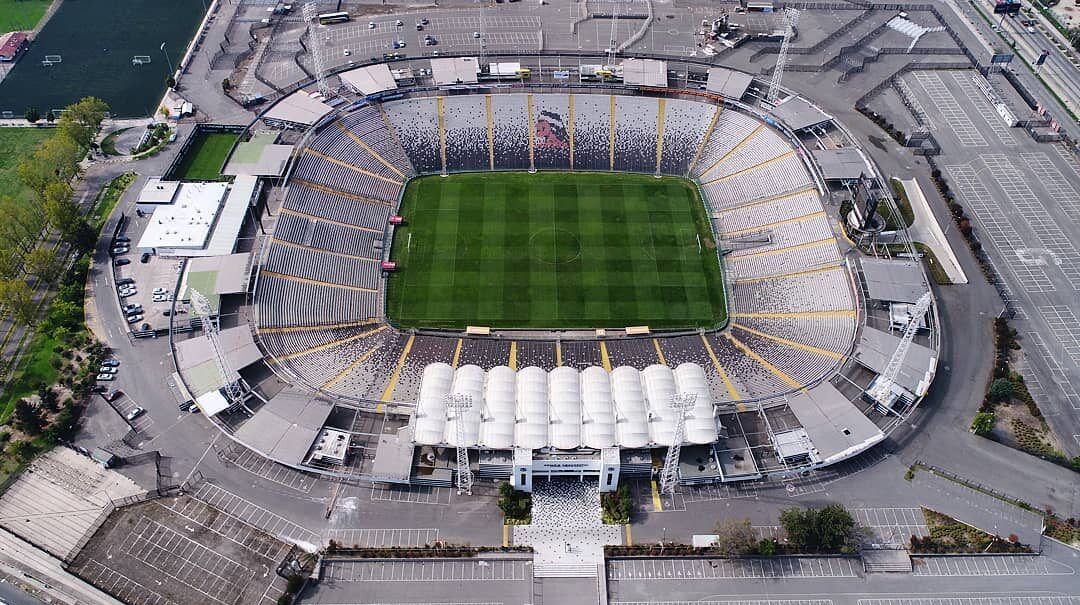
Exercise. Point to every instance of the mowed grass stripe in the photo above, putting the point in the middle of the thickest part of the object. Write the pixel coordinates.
(556, 251)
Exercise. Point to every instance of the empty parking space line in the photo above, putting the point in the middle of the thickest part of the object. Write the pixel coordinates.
(411, 494)
(953, 114)
(267, 469)
(121, 586)
(368, 538)
(779, 567)
(735, 602)
(988, 113)
(1055, 183)
(1006, 239)
(428, 571)
(989, 565)
(247, 511)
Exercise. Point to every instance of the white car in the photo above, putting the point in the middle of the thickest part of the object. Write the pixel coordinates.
(399, 23)
(371, 25)
(160, 291)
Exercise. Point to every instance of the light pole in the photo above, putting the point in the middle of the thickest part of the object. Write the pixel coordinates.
(167, 60)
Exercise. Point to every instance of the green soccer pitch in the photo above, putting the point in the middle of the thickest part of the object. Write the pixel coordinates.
(554, 251)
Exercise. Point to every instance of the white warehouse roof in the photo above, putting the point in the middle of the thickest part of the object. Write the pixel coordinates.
(563, 409)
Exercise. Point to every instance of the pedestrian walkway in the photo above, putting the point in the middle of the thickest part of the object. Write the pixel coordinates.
(567, 533)
(926, 229)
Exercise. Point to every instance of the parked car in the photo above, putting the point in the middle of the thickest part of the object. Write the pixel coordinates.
(106, 377)
(120, 250)
(399, 23)
(159, 298)
(134, 318)
(125, 281)
(112, 363)
(122, 239)
(166, 313)
(185, 406)
(132, 308)
(371, 25)
(135, 413)
(424, 21)
(128, 293)
(120, 262)
(429, 41)
(99, 388)
(112, 395)
(419, 26)
(107, 370)
(160, 291)
(145, 327)
(476, 34)
(145, 258)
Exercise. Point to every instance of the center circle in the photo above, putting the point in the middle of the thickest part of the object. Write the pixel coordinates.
(554, 246)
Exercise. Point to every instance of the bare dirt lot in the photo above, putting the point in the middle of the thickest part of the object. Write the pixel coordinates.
(181, 550)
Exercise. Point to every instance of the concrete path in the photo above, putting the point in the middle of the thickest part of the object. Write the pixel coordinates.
(926, 229)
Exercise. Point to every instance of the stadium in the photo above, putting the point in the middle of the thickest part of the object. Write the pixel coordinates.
(694, 294)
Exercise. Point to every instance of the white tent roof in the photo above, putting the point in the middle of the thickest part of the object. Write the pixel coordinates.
(430, 416)
(659, 384)
(597, 416)
(468, 380)
(631, 428)
(531, 431)
(563, 409)
(564, 420)
(701, 421)
(497, 423)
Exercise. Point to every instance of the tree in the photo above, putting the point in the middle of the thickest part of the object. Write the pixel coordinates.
(983, 423)
(81, 121)
(22, 450)
(55, 160)
(514, 505)
(45, 264)
(27, 418)
(32, 115)
(829, 529)
(226, 85)
(1001, 389)
(734, 536)
(62, 211)
(50, 117)
(170, 82)
(18, 299)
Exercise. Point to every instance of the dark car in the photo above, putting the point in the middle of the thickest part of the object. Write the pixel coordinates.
(120, 262)
(122, 240)
(99, 388)
(125, 281)
(112, 395)
(145, 258)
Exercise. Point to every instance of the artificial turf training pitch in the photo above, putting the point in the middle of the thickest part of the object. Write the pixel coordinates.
(554, 251)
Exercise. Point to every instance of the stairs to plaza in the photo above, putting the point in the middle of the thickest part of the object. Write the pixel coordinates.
(564, 570)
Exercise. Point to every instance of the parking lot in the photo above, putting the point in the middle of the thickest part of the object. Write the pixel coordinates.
(1024, 200)
(154, 556)
(378, 538)
(730, 569)
(989, 565)
(256, 515)
(266, 469)
(411, 494)
(428, 571)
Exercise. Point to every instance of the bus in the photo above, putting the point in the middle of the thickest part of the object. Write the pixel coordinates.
(328, 18)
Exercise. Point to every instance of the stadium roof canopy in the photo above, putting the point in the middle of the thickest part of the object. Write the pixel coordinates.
(563, 409)
(198, 222)
(645, 72)
(799, 114)
(298, 108)
(459, 70)
(893, 280)
(876, 348)
(369, 80)
(728, 82)
(213, 276)
(837, 428)
(195, 357)
(286, 426)
(845, 164)
(260, 156)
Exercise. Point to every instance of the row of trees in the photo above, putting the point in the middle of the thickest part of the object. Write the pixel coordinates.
(47, 173)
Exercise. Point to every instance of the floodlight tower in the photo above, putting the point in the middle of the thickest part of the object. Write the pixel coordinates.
(311, 13)
(233, 392)
(614, 30)
(681, 404)
(880, 392)
(791, 19)
(461, 403)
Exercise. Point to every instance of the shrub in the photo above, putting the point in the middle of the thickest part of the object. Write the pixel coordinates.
(829, 529)
(1001, 389)
(617, 505)
(983, 423)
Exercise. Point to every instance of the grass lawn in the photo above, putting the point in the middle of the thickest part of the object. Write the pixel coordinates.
(16, 143)
(206, 157)
(554, 250)
(35, 369)
(108, 197)
(19, 15)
